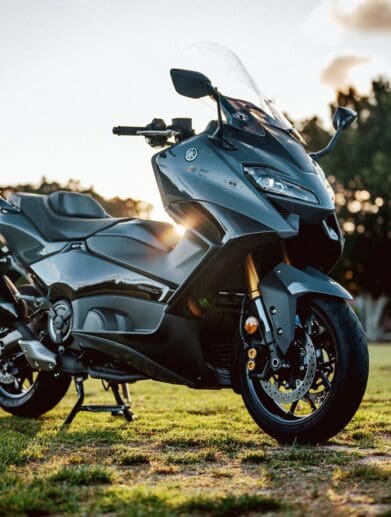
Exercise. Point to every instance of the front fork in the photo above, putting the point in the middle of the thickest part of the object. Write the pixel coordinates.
(254, 294)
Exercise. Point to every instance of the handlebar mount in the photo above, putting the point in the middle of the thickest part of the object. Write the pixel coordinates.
(157, 133)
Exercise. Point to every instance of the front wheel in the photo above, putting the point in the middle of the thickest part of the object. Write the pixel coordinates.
(323, 379)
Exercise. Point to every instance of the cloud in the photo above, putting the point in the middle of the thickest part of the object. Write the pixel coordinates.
(367, 16)
(321, 16)
(336, 74)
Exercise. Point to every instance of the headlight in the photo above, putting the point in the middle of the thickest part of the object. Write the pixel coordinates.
(269, 181)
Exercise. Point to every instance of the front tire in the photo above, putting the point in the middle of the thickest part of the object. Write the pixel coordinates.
(346, 385)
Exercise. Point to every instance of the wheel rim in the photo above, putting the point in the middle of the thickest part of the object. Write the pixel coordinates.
(16, 376)
(318, 333)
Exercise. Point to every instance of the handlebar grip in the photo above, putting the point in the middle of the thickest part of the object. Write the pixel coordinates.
(127, 130)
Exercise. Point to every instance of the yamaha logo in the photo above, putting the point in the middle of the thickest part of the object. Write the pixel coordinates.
(191, 154)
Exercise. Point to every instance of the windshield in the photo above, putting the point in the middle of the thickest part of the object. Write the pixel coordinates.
(227, 72)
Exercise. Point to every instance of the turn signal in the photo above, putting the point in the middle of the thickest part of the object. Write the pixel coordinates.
(251, 325)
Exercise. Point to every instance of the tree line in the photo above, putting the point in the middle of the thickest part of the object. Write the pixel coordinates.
(116, 206)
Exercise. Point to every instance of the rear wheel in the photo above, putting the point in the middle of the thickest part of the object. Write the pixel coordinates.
(320, 387)
(24, 391)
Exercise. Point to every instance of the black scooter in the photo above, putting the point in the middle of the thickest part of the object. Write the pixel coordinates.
(241, 301)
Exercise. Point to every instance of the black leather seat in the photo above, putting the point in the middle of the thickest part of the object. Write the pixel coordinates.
(64, 215)
(73, 204)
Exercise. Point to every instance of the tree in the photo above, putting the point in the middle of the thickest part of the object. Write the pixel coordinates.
(116, 206)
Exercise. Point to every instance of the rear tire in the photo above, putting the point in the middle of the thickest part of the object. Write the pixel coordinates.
(44, 395)
(45, 390)
(346, 391)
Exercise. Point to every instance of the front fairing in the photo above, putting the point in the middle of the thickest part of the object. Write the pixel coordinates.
(216, 176)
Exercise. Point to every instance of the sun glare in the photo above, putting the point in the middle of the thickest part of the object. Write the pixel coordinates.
(180, 229)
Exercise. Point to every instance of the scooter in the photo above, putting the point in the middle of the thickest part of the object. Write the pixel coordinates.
(242, 300)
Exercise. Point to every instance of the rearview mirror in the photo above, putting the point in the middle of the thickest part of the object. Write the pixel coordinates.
(191, 84)
(343, 117)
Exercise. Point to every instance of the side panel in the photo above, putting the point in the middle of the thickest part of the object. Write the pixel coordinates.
(241, 236)
(110, 308)
(76, 273)
(170, 266)
(25, 239)
(174, 344)
(116, 313)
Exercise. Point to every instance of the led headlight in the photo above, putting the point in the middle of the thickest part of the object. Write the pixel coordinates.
(270, 182)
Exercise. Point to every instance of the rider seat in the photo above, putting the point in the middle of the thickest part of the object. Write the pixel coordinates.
(64, 215)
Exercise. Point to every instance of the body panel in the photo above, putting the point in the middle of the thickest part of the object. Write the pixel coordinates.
(23, 238)
(171, 266)
(76, 273)
(216, 176)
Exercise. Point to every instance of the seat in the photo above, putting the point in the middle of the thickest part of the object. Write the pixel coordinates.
(64, 215)
(73, 204)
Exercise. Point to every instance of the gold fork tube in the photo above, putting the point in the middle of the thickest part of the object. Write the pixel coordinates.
(254, 294)
(252, 277)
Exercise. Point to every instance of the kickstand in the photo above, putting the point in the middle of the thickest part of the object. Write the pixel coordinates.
(121, 408)
(125, 411)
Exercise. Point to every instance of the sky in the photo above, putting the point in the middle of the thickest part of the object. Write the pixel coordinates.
(70, 70)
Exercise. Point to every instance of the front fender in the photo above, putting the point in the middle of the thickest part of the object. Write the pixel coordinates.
(280, 289)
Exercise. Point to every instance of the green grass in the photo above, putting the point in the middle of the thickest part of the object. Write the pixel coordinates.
(81, 476)
(254, 458)
(366, 473)
(134, 458)
(142, 501)
(191, 453)
(37, 497)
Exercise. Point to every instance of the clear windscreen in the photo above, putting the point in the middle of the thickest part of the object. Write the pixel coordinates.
(227, 72)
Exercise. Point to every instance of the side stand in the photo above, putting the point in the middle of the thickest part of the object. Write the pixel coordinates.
(121, 408)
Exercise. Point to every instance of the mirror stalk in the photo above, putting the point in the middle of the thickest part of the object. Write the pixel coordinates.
(218, 135)
(329, 147)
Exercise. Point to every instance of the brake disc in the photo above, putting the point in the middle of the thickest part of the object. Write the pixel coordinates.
(302, 385)
(5, 376)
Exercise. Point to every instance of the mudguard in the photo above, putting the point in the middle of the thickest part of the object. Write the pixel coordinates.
(280, 289)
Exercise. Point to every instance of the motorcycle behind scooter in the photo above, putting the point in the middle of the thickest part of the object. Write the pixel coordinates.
(241, 301)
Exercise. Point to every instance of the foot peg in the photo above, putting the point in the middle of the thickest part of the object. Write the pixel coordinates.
(120, 409)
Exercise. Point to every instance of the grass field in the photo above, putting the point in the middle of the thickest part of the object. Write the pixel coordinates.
(195, 452)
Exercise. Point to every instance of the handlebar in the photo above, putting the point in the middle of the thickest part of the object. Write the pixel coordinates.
(157, 133)
(127, 130)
